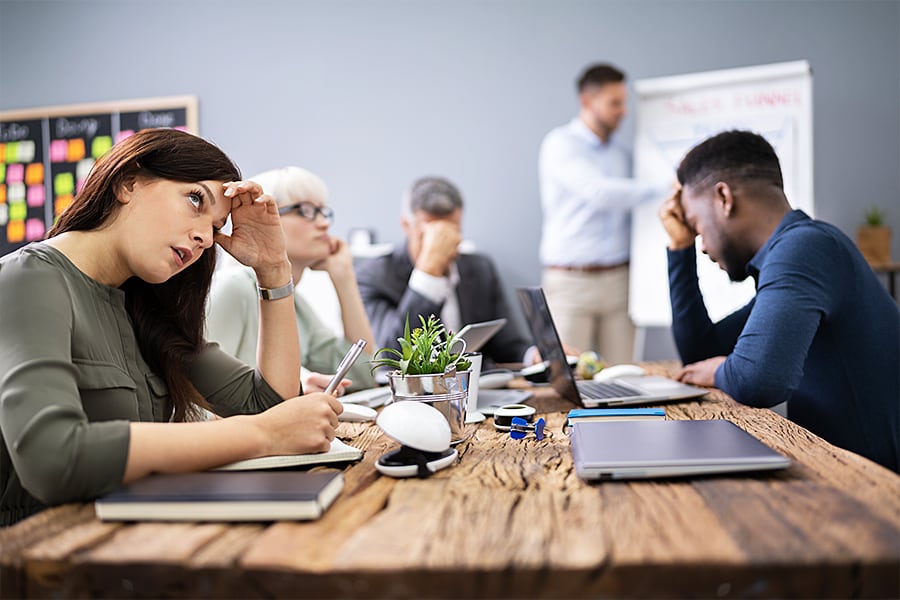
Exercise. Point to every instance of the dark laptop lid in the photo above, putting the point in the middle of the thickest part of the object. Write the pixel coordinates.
(546, 338)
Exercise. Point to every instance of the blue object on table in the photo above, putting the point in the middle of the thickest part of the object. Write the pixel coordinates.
(519, 428)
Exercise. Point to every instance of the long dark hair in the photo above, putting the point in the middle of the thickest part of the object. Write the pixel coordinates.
(167, 317)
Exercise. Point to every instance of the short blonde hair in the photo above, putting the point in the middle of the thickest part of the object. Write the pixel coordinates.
(290, 185)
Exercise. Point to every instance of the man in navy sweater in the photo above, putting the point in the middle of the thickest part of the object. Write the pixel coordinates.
(822, 333)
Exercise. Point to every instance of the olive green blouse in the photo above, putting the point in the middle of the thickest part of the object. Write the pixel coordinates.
(72, 378)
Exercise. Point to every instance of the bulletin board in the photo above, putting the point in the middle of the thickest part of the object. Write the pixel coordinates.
(676, 113)
(47, 153)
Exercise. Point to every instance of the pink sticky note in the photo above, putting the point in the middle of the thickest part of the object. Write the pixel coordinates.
(34, 196)
(34, 229)
(15, 173)
(59, 149)
(124, 134)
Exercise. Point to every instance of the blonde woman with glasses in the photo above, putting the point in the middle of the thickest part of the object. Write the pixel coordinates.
(232, 319)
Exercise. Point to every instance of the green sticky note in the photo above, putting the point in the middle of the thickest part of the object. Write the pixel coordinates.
(18, 211)
(63, 183)
(12, 152)
(2, 172)
(101, 145)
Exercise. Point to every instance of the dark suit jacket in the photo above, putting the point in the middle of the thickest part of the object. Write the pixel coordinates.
(384, 287)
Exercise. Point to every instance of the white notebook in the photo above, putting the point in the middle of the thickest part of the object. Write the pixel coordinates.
(339, 452)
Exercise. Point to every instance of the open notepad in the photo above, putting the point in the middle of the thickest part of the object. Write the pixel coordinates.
(339, 452)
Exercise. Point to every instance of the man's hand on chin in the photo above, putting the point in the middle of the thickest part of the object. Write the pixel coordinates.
(701, 373)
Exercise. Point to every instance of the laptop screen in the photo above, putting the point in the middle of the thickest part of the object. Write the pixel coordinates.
(546, 338)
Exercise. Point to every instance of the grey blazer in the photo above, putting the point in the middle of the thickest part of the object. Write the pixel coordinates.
(384, 287)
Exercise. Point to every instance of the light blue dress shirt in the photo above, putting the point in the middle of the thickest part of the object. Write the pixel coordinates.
(587, 196)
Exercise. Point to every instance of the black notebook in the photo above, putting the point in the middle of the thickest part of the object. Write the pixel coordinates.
(223, 496)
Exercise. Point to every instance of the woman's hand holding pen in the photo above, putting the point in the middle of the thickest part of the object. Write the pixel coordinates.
(256, 239)
(299, 425)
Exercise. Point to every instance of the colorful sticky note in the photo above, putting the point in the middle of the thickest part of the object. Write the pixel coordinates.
(26, 151)
(62, 203)
(101, 146)
(58, 150)
(76, 150)
(2, 194)
(2, 172)
(15, 192)
(124, 134)
(15, 173)
(17, 211)
(34, 229)
(15, 231)
(83, 168)
(35, 195)
(63, 183)
(12, 152)
(34, 174)
(3, 153)
(4, 215)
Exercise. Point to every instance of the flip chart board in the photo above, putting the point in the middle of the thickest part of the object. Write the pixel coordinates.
(46, 154)
(673, 115)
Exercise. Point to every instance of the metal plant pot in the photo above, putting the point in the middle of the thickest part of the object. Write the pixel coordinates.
(445, 392)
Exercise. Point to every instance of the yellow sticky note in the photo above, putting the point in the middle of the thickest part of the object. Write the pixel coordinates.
(62, 203)
(34, 174)
(15, 231)
(75, 150)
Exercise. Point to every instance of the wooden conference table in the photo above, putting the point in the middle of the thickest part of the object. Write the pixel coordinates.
(511, 519)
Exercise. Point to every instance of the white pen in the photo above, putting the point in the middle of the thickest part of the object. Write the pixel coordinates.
(345, 365)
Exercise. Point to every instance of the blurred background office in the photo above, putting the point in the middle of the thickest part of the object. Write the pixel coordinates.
(373, 93)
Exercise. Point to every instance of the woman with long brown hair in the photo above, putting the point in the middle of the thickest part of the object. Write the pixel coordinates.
(103, 363)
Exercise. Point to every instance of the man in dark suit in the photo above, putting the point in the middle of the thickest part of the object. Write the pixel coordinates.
(428, 275)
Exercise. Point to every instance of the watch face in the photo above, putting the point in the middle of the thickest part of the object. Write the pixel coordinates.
(276, 293)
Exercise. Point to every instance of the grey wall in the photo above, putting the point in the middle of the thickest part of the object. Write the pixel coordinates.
(371, 94)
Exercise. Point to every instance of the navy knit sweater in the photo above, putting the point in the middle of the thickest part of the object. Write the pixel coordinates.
(822, 333)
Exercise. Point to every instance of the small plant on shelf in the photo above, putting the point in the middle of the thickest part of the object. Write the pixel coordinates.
(874, 217)
(873, 237)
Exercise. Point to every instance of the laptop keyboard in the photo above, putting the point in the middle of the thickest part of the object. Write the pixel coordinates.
(600, 390)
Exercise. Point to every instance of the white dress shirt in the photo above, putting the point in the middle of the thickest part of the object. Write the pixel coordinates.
(587, 196)
(438, 290)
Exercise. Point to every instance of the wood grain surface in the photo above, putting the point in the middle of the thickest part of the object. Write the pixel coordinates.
(510, 519)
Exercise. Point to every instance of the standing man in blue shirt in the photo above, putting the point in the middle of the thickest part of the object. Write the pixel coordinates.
(822, 332)
(587, 196)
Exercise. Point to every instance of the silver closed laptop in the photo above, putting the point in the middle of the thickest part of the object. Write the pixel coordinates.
(641, 449)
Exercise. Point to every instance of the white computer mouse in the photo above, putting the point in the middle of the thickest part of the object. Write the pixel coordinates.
(492, 380)
(416, 425)
(356, 413)
(613, 371)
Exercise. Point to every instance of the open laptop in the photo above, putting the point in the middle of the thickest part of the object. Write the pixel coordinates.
(639, 449)
(642, 389)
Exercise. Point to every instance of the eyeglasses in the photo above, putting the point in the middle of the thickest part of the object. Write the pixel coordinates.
(309, 211)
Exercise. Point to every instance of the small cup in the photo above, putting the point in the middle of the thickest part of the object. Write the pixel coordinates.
(472, 414)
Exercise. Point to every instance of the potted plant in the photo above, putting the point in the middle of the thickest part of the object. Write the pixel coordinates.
(430, 367)
(874, 238)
